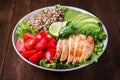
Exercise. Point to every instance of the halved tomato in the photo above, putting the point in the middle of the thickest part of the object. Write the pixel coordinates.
(28, 54)
(27, 36)
(42, 44)
(49, 54)
(36, 57)
(20, 45)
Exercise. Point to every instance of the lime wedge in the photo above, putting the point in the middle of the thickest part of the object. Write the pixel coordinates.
(56, 27)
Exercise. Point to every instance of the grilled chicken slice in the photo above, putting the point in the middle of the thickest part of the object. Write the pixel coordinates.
(58, 50)
(78, 47)
(65, 50)
(71, 48)
(87, 49)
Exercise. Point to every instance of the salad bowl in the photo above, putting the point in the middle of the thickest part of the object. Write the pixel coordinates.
(14, 39)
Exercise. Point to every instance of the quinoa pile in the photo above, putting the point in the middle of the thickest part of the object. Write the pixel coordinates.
(42, 20)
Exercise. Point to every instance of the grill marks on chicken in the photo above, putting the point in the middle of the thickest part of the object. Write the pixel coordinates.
(74, 49)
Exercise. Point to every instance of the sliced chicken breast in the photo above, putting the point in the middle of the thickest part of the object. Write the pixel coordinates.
(78, 47)
(65, 50)
(71, 48)
(87, 49)
(58, 50)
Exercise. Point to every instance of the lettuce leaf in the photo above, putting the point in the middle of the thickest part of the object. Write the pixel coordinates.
(23, 27)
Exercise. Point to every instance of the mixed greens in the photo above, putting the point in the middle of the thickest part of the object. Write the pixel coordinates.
(75, 22)
(24, 27)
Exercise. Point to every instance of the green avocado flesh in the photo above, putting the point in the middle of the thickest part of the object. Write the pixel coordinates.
(84, 22)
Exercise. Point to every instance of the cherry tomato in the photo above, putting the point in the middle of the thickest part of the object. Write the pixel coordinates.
(20, 45)
(49, 54)
(36, 57)
(28, 36)
(42, 44)
(39, 36)
(28, 54)
(49, 37)
(51, 44)
(29, 44)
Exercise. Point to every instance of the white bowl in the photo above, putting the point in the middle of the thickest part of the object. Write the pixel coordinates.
(14, 38)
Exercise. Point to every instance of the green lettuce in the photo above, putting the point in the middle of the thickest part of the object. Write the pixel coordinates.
(23, 27)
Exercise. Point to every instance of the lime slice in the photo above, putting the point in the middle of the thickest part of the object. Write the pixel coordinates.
(56, 27)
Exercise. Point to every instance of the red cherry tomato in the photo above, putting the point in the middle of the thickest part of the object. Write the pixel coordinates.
(49, 37)
(49, 54)
(42, 44)
(28, 54)
(36, 57)
(28, 36)
(51, 44)
(29, 44)
(39, 36)
(20, 45)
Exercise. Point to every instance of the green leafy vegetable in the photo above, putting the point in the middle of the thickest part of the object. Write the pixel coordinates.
(45, 64)
(59, 7)
(67, 31)
(23, 27)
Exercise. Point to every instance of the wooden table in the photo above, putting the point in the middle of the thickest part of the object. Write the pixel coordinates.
(12, 67)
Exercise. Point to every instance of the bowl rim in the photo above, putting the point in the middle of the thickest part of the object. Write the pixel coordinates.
(105, 42)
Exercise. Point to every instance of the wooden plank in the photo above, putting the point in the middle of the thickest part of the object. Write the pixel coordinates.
(115, 11)
(14, 65)
(5, 22)
(104, 12)
(36, 4)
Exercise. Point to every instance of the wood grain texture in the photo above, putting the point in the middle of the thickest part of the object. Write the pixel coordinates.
(12, 67)
(5, 24)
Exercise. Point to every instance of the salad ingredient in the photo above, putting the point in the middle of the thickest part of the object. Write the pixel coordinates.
(29, 44)
(65, 50)
(24, 27)
(87, 48)
(39, 36)
(42, 20)
(70, 14)
(42, 44)
(27, 36)
(65, 32)
(71, 48)
(28, 54)
(62, 8)
(51, 64)
(83, 48)
(59, 49)
(36, 57)
(20, 45)
(51, 44)
(49, 37)
(49, 54)
(56, 27)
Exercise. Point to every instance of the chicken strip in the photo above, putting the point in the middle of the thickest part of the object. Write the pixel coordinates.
(71, 48)
(78, 47)
(65, 50)
(58, 50)
(87, 49)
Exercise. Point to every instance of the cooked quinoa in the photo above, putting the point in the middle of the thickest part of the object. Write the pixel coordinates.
(42, 20)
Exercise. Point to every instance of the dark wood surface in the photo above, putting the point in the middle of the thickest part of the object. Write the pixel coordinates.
(12, 67)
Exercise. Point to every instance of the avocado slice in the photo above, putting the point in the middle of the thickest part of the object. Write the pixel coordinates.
(89, 26)
(70, 13)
